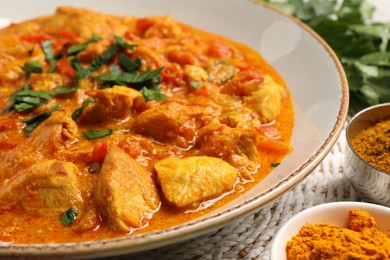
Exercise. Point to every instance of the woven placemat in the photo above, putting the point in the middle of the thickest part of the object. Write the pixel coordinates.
(250, 237)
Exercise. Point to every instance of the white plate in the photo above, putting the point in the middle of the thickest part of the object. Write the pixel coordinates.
(312, 72)
(335, 213)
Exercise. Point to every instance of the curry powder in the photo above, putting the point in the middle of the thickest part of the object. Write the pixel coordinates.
(373, 145)
(361, 240)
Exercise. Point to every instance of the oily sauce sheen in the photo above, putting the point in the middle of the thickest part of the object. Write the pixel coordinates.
(113, 126)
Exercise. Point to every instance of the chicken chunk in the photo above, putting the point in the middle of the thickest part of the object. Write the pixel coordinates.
(111, 103)
(57, 132)
(185, 181)
(173, 122)
(268, 99)
(236, 146)
(195, 73)
(125, 191)
(84, 22)
(47, 186)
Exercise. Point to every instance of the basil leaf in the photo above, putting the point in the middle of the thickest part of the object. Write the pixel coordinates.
(69, 216)
(129, 78)
(76, 65)
(62, 90)
(103, 58)
(13, 97)
(49, 55)
(33, 93)
(77, 113)
(24, 106)
(96, 63)
(127, 64)
(75, 49)
(32, 67)
(121, 42)
(26, 103)
(114, 69)
(152, 93)
(97, 134)
(33, 122)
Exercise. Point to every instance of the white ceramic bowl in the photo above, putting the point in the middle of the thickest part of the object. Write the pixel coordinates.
(312, 71)
(331, 213)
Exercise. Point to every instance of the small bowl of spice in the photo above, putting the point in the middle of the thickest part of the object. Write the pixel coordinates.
(368, 154)
(337, 230)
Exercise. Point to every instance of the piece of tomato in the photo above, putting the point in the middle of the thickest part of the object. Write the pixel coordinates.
(9, 124)
(172, 73)
(220, 50)
(143, 25)
(36, 38)
(98, 153)
(69, 35)
(202, 92)
(7, 145)
(64, 67)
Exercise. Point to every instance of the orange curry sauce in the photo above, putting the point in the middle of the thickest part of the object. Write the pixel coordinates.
(223, 100)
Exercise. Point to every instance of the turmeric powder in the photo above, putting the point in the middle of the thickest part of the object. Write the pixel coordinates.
(373, 145)
(360, 240)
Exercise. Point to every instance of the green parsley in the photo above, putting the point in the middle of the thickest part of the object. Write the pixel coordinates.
(69, 216)
(363, 46)
(97, 134)
(33, 122)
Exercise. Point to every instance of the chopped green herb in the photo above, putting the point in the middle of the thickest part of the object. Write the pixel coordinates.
(33, 122)
(63, 90)
(69, 216)
(152, 93)
(26, 103)
(77, 113)
(97, 134)
(130, 78)
(49, 55)
(275, 164)
(75, 49)
(76, 65)
(127, 64)
(121, 42)
(25, 99)
(114, 69)
(32, 67)
(97, 62)
(33, 93)
(195, 84)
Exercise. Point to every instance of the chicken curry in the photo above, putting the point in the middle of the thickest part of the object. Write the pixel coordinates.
(112, 126)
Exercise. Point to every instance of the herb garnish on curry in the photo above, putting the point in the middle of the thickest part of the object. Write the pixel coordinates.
(112, 125)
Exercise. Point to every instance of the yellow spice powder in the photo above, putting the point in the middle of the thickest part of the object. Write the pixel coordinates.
(361, 240)
(373, 145)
